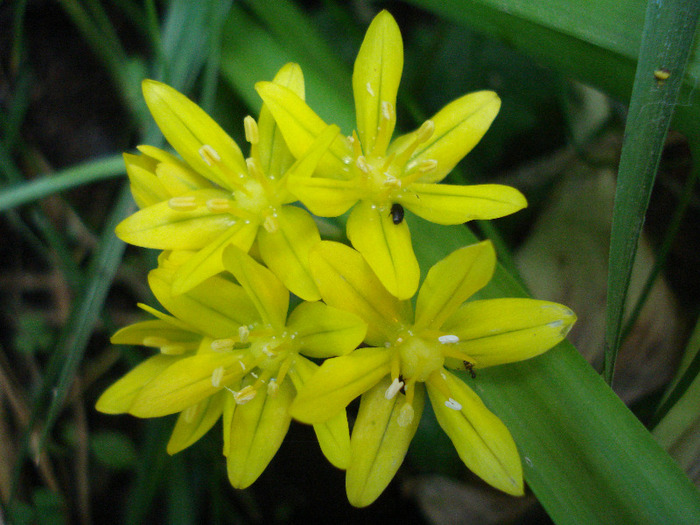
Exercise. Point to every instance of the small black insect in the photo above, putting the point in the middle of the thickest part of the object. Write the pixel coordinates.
(403, 388)
(469, 367)
(396, 213)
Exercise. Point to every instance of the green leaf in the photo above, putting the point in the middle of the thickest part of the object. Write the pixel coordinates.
(667, 40)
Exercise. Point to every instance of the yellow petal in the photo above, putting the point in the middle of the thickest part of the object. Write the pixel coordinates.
(178, 178)
(378, 443)
(285, 251)
(375, 81)
(136, 333)
(162, 227)
(185, 383)
(324, 331)
(208, 261)
(347, 282)
(301, 126)
(339, 381)
(325, 197)
(448, 204)
(268, 294)
(188, 128)
(452, 281)
(333, 435)
(145, 186)
(386, 247)
(257, 430)
(117, 399)
(482, 440)
(195, 421)
(497, 331)
(275, 157)
(459, 126)
(217, 307)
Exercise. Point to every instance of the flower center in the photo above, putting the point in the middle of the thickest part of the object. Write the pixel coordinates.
(419, 357)
(385, 177)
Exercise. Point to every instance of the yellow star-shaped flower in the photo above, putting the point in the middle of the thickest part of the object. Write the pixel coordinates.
(214, 198)
(378, 178)
(231, 349)
(410, 353)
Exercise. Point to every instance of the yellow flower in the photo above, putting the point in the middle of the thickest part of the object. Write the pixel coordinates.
(411, 353)
(377, 177)
(214, 197)
(231, 349)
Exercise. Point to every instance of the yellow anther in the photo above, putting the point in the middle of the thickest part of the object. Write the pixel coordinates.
(183, 203)
(427, 165)
(361, 163)
(272, 388)
(220, 345)
(174, 349)
(251, 130)
(270, 224)
(387, 110)
(209, 155)
(425, 131)
(405, 415)
(190, 412)
(216, 377)
(243, 333)
(154, 342)
(244, 395)
(218, 205)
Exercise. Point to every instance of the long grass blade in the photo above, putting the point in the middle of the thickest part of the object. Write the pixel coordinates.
(73, 177)
(667, 39)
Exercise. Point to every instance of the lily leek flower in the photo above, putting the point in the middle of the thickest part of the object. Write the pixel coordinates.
(230, 349)
(216, 198)
(376, 177)
(410, 353)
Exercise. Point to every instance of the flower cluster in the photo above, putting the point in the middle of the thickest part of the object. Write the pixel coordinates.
(237, 244)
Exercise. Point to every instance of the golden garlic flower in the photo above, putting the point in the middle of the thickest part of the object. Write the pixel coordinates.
(214, 198)
(378, 177)
(231, 349)
(410, 353)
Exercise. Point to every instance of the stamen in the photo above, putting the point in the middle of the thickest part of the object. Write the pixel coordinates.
(190, 412)
(221, 345)
(447, 339)
(272, 388)
(183, 203)
(155, 342)
(243, 333)
(269, 353)
(427, 165)
(174, 349)
(244, 395)
(405, 415)
(453, 404)
(216, 377)
(384, 129)
(421, 135)
(270, 224)
(218, 205)
(209, 155)
(393, 389)
(361, 163)
(251, 130)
